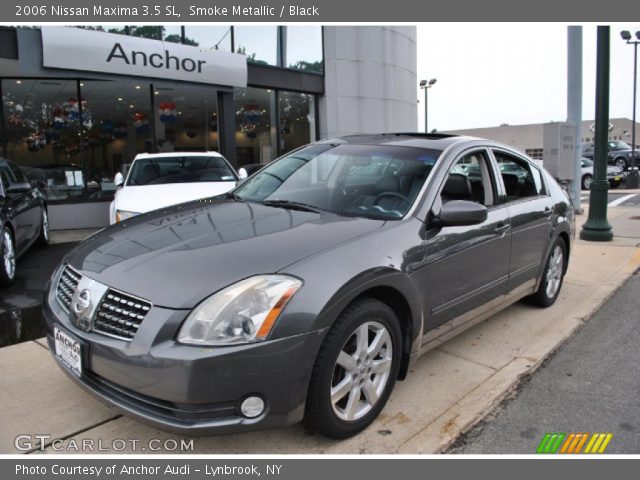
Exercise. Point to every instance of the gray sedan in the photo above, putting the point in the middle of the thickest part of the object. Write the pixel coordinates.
(307, 291)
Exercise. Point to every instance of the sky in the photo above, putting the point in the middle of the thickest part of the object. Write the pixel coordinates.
(514, 73)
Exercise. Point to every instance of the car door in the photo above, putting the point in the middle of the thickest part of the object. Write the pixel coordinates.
(467, 266)
(531, 210)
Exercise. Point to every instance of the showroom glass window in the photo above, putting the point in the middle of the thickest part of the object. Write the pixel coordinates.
(255, 125)
(42, 129)
(210, 37)
(118, 127)
(259, 44)
(297, 120)
(186, 117)
(303, 49)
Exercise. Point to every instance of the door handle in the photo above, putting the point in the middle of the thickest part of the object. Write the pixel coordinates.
(500, 229)
(548, 212)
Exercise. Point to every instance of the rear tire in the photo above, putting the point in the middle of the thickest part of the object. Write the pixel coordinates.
(43, 236)
(552, 276)
(586, 181)
(7, 258)
(355, 370)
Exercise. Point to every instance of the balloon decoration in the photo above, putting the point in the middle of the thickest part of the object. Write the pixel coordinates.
(168, 112)
(251, 116)
(36, 141)
(140, 122)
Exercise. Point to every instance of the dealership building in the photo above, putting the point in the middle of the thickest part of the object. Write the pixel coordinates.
(530, 139)
(79, 103)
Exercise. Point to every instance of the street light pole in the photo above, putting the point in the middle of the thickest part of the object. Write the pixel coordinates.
(597, 227)
(426, 85)
(632, 180)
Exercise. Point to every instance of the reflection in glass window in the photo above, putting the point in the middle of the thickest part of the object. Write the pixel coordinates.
(255, 125)
(210, 37)
(186, 118)
(297, 120)
(172, 34)
(120, 128)
(259, 44)
(146, 31)
(43, 132)
(304, 48)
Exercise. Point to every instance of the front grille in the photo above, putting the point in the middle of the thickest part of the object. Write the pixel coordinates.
(66, 286)
(120, 315)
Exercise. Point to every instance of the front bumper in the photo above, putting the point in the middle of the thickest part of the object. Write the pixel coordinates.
(191, 390)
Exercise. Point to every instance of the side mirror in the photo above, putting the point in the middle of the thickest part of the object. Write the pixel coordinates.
(20, 187)
(118, 179)
(458, 213)
(242, 174)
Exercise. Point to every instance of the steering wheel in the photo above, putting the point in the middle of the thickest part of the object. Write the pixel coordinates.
(396, 195)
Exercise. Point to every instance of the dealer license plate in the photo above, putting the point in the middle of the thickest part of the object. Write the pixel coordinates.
(68, 351)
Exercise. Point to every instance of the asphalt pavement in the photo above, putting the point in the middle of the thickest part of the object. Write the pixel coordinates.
(591, 384)
(20, 304)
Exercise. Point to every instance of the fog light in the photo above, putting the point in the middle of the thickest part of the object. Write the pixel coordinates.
(251, 407)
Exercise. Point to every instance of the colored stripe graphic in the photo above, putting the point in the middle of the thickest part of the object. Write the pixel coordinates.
(551, 442)
(572, 443)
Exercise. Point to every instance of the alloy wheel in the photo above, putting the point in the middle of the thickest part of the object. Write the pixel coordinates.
(45, 225)
(361, 371)
(554, 271)
(8, 254)
(621, 163)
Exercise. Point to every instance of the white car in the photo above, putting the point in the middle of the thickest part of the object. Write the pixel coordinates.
(157, 180)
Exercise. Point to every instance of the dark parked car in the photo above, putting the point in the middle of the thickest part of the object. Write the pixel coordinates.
(306, 291)
(618, 154)
(23, 218)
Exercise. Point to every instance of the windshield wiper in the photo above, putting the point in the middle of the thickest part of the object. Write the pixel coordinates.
(305, 207)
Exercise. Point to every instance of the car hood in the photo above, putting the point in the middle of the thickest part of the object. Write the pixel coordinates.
(144, 198)
(176, 257)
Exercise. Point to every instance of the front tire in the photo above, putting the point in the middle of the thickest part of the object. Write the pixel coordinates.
(552, 277)
(355, 370)
(621, 163)
(7, 258)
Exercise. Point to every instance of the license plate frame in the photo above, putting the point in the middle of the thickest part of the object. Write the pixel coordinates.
(68, 351)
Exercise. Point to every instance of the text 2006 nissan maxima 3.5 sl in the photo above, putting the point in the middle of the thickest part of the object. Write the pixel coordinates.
(306, 291)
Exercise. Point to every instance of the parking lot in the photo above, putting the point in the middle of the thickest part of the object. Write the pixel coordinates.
(449, 390)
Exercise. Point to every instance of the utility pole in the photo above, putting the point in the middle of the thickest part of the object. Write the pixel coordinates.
(597, 228)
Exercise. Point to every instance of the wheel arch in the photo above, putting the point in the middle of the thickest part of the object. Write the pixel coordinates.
(396, 291)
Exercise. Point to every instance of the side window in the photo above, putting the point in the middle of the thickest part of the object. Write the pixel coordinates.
(470, 179)
(17, 173)
(7, 176)
(521, 180)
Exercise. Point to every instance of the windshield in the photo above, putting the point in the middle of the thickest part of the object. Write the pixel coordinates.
(618, 145)
(371, 181)
(180, 169)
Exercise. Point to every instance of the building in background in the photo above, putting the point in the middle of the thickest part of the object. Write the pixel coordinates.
(79, 103)
(529, 138)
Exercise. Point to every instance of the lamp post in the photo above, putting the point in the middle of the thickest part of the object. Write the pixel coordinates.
(632, 180)
(597, 228)
(426, 85)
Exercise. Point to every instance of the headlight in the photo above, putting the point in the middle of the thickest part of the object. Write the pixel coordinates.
(122, 215)
(241, 313)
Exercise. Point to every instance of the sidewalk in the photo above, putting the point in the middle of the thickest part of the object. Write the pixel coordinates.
(449, 390)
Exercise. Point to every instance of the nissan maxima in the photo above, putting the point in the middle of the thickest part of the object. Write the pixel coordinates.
(309, 289)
